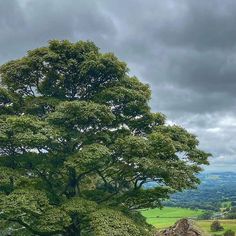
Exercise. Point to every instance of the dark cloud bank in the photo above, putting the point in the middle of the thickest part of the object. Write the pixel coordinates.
(185, 49)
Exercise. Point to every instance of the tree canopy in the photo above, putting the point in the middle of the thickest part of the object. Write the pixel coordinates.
(78, 143)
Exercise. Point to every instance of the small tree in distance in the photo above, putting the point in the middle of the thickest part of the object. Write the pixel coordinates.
(216, 226)
(78, 141)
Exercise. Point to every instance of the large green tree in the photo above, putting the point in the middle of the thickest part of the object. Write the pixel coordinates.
(78, 142)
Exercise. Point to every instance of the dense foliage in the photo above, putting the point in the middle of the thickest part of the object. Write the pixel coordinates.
(78, 141)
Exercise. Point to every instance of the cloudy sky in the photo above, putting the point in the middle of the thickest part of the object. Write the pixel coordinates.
(185, 50)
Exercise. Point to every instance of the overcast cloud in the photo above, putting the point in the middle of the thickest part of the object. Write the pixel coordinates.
(185, 50)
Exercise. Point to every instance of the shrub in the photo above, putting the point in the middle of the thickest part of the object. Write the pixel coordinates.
(229, 233)
(216, 226)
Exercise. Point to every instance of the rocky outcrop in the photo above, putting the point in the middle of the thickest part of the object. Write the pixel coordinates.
(183, 227)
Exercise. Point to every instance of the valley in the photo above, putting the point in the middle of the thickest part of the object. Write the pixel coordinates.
(214, 199)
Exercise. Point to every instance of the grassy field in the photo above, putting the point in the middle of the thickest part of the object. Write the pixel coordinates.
(227, 224)
(168, 215)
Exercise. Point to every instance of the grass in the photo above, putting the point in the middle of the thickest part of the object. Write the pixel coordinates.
(162, 218)
(227, 224)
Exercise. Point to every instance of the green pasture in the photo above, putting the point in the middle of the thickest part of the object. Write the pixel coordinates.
(227, 224)
(162, 218)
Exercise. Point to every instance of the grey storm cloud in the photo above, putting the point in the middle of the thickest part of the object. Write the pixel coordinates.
(185, 50)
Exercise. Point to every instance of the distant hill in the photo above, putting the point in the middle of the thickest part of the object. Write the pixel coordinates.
(215, 189)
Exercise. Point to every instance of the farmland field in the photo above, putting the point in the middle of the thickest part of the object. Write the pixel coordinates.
(162, 218)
